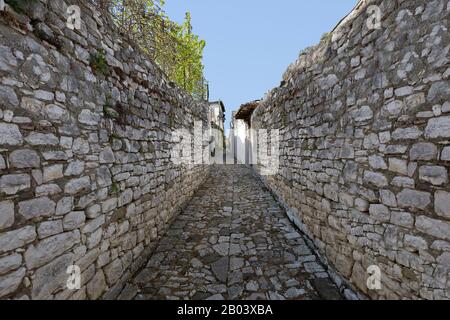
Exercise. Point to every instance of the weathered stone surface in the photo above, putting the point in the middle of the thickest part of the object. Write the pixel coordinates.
(377, 162)
(47, 249)
(423, 151)
(403, 219)
(10, 135)
(437, 228)
(89, 118)
(398, 165)
(417, 243)
(40, 207)
(380, 212)
(113, 271)
(25, 158)
(55, 112)
(439, 90)
(17, 238)
(80, 146)
(6, 214)
(47, 190)
(75, 168)
(9, 283)
(96, 286)
(9, 263)
(53, 173)
(51, 277)
(388, 198)
(434, 174)
(442, 203)
(7, 59)
(107, 156)
(50, 228)
(74, 220)
(220, 269)
(65, 205)
(13, 183)
(413, 199)
(375, 178)
(438, 128)
(404, 91)
(406, 133)
(326, 289)
(394, 108)
(445, 154)
(2, 163)
(7, 95)
(94, 224)
(362, 114)
(104, 177)
(75, 186)
(42, 139)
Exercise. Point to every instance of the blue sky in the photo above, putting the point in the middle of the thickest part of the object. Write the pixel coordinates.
(250, 43)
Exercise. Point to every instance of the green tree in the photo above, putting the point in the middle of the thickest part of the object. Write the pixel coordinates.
(188, 71)
(174, 47)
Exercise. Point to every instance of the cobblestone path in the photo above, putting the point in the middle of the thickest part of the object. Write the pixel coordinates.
(233, 241)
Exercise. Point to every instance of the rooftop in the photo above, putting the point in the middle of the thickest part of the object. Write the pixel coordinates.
(246, 110)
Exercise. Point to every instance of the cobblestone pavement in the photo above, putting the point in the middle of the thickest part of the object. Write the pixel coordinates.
(233, 241)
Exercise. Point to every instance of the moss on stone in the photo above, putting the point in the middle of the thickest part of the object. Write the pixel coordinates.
(110, 112)
(115, 188)
(98, 63)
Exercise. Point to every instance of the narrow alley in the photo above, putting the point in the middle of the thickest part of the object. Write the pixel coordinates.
(233, 241)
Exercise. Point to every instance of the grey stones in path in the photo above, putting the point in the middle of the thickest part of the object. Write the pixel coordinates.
(233, 241)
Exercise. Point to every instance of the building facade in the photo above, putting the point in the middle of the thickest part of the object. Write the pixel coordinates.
(217, 120)
(242, 140)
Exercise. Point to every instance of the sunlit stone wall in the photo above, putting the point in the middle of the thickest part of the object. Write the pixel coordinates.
(365, 148)
(86, 177)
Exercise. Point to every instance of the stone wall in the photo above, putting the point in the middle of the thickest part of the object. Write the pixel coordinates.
(85, 141)
(365, 148)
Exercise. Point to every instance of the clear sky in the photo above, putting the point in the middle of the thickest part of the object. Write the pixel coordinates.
(250, 43)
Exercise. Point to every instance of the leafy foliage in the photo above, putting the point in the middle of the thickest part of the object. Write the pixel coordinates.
(172, 46)
(115, 188)
(110, 112)
(98, 63)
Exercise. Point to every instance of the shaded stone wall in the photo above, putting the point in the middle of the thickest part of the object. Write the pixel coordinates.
(85, 172)
(365, 148)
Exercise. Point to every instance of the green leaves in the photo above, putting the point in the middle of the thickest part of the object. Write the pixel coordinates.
(98, 63)
(172, 46)
(188, 72)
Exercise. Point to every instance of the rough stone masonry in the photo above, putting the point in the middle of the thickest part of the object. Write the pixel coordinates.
(85, 143)
(365, 148)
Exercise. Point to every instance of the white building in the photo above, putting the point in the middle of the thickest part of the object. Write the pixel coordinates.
(217, 120)
(241, 137)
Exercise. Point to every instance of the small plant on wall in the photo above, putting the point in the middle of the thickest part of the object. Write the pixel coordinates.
(98, 63)
(115, 188)
(110, 112)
